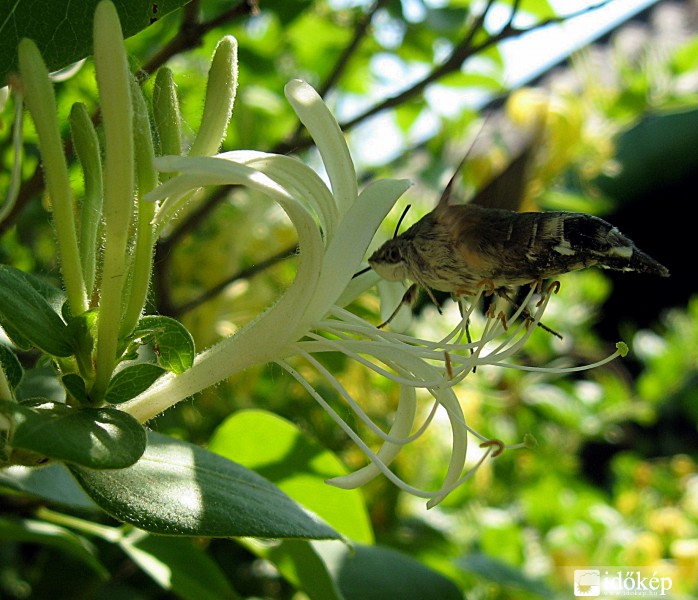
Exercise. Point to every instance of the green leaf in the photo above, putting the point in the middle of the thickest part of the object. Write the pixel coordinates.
(685, 58)
(172, 341)
(75, 385)
(539, 8)
(280, 452)
(27, 315)
(131, 381)
(10, 366)
(40, 532)
(177, 488)
(302, 566)
(407, 114)
(445, 19)
(375, 573)
(102, 438)
(64, 31)
(505, 575)
(52, 482)
(177, 565)
(41, 382)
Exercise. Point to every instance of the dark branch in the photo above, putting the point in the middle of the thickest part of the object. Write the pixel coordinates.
(191, 31)
(211, 293)
(464, 50)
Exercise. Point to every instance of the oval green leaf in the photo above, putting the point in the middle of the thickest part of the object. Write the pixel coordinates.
(375, 573)
(131, 381)
(177, 488)
(101, 438)
(171, 340)
(180, 566)
(52, 483)
(75, 386)
(64, 31)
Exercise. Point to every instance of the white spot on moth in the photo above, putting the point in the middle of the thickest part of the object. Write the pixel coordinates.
(622, 251)
(565, 249)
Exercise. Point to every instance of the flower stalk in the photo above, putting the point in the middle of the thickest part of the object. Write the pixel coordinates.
(41, 101)
(146, 178)
(113, 80)
(88, 152)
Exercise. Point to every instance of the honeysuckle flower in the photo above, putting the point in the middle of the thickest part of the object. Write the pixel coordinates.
(335, 226)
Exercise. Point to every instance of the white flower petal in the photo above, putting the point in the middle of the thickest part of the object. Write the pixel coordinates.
(347, 248)
(329, 139)
(401, 428)
(298, 178)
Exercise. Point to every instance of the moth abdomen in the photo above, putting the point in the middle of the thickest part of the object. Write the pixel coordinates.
(594, 241)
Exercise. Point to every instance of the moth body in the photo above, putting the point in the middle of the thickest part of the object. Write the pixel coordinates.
(455, 248)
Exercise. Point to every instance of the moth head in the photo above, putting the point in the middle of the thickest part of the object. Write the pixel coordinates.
(389, 261)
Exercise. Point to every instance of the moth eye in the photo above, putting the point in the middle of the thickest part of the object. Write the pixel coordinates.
(394, 255)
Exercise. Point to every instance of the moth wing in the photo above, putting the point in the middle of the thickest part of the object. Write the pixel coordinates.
(507, 189)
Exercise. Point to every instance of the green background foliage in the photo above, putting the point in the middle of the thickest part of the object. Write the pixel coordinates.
(613, 480)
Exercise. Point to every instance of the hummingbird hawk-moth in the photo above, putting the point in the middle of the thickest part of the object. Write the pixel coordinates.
(458, 247)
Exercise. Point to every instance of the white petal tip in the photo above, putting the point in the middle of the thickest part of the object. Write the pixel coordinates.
(301, 92)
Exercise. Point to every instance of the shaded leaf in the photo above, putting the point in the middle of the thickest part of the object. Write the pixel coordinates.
(177, 565)
(27, 315)
(75, 386)
(504, 575)
(375, 573)
(177, 488)
(52, 482)
(131, 381)
(11, 367)
(40, 532)
(301, 565)
(102, 438)
(64, 31)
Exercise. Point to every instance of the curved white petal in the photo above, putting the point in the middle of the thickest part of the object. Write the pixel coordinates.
(298, 178)
(401, 428)
(329, 139)
(347, 248)
(264, 338)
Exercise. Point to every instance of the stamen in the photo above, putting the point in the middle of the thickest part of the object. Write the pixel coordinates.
(498, 444)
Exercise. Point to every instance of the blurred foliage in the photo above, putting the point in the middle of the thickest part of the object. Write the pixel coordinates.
(614, 478)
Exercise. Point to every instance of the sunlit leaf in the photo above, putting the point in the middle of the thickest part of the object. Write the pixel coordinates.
(277, 450)
(177, 488)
